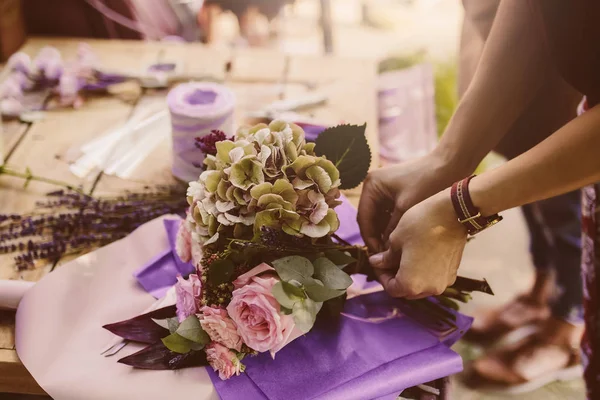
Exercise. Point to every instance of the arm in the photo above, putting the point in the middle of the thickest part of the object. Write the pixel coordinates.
(427, 245)
(514, 65)
(565, 161)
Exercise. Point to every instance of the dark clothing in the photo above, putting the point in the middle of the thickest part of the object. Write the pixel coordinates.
(571, 32)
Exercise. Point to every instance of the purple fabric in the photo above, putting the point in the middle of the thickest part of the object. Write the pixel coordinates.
(311, 132)
(161, 272)
(360, 360)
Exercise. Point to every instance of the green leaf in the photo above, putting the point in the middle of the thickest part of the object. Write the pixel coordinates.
(169, 323)
(347, 147)
(339, 258)
(191, 329)
(220, 271)
(318, 292)
(286, 311)
(173, 324)
(284, 296)
(331, 276)
(305, 313)
(294, 268)
(161, 322)
(179, 344)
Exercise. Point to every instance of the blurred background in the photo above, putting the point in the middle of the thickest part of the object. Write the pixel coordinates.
(416, 43)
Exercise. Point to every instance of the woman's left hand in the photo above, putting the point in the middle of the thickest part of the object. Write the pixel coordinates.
(424, 251)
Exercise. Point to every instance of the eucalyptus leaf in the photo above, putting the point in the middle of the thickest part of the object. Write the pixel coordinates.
(173, 324)
(331, 276)
(169, 323)
(318, 292)
(347, 147)
(179, 344)
(191, 329)
(305, 313)
(284, 299)
(162, 323)
(220, 271)
(339, 258)
(286, 311)
(294, 268)
(293, 289)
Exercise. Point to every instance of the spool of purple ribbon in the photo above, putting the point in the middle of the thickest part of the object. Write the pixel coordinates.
(196, 109)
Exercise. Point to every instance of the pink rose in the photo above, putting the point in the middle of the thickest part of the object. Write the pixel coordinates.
(246, 278)
(183, 243)
(220, 327)
(258, 316)
(223, 360)
(188, 296)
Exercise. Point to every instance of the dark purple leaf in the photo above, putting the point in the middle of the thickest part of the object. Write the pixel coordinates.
(142, 329)
(472, 285)
(158, 357)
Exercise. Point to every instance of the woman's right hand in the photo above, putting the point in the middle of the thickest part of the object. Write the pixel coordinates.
(389, 192)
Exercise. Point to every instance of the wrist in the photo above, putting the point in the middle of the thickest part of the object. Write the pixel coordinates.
(450, 160)
(468, 208)
(442, 203)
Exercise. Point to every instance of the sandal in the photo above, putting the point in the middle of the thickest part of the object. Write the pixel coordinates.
(526, 366)
(490, 326)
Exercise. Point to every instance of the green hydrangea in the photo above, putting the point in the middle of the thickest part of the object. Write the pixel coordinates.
(267, 176)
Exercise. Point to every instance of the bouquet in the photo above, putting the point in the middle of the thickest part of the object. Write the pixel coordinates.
(260, 231)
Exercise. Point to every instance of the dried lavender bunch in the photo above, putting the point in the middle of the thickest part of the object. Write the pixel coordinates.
(69, 222)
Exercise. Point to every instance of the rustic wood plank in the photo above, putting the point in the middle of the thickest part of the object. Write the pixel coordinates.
(258, 65)
(7, 330)
(14, 377)
(12, 132)
(154, 170)
(196, 60)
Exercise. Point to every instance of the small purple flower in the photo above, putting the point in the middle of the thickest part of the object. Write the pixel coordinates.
(208, 144)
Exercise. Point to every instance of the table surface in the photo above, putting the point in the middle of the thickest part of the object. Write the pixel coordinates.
(258, 77)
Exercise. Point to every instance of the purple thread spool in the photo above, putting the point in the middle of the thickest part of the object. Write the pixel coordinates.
(196, 109)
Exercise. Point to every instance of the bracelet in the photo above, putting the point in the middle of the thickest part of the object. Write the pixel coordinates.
(469, 215)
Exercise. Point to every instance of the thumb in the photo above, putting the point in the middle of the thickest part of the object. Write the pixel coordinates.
(388, 259)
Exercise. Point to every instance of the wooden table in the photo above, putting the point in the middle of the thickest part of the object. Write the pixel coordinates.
(255, 75)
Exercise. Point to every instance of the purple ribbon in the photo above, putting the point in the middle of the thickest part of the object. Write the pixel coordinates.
(160, 274)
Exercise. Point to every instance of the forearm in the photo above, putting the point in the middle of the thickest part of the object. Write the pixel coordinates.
(513, 67)
(566, 161)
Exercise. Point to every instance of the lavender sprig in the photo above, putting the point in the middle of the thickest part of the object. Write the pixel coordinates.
(69, 222)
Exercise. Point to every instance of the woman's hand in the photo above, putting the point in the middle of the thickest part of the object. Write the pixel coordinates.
(389, 192)
(424, 251)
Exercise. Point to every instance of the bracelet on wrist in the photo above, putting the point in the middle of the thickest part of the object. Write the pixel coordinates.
(467, 213)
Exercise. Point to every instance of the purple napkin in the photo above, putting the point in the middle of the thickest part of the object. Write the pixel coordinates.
(359, 360)
(160, 273)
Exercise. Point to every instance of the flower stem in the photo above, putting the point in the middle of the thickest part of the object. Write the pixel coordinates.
(28, 176)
